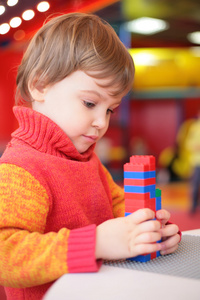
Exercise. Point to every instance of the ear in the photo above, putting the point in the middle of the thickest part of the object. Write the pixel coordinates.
(37, 91)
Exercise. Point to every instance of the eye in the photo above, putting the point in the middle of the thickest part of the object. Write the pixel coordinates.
(88, 104)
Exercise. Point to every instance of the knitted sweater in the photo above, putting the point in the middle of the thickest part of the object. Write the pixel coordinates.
(51, 200)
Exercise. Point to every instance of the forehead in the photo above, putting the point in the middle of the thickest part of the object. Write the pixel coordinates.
(117, 85)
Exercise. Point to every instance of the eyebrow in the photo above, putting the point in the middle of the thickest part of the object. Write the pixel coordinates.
(97, 94)
(93, 92)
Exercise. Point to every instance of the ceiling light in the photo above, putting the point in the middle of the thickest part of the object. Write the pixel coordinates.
(4, 28)
(146, 25)
(43, 6)
(194, 37)
(2, 9)
(12, 2)
(15, 22)
(145, 59)
(28, 14)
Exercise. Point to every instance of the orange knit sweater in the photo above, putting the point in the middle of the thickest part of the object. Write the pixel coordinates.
(51, 200)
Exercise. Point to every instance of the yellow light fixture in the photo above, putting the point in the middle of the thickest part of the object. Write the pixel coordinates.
(146, 25)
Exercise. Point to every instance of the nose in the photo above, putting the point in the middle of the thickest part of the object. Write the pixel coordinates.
(101, 122)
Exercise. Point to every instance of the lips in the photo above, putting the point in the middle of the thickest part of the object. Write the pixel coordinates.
(91, 138)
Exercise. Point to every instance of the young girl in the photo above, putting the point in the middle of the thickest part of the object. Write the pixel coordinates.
(60, 210)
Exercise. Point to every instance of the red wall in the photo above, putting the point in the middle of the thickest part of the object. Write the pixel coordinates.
(8, 67)
(156, 122)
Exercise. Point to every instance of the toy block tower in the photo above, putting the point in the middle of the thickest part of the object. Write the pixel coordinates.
(140, 190)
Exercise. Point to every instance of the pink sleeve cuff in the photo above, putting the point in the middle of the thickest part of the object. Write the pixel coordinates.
(81, 250)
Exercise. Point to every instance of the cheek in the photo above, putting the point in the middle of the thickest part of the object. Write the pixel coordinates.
(104, 130)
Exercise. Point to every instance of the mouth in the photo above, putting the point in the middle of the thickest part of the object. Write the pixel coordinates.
(91, 138)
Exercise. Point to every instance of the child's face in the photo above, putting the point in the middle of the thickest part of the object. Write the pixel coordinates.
(80, 107)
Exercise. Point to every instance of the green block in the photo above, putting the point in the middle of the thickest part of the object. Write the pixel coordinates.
(158, 193)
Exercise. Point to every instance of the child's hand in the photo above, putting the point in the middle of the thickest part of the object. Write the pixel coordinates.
(128, 236)
(169, 233)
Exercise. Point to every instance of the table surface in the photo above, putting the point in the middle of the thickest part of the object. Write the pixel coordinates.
(115, 283)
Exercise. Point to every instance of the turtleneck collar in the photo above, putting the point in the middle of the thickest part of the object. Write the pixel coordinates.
(46, 136)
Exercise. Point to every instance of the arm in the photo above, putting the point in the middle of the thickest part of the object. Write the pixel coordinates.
(28, 257)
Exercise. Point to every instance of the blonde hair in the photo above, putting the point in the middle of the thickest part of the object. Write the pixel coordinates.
(72, 42)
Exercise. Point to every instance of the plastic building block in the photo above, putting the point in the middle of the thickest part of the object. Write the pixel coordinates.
(158, 193)
(127, 214)
(132, 208)
(140, 175)
(158, 203)
(144, 202)
(139, 182)
(140, 190)
(158, 199)
(153, 193)
(145, 159)
(141, 258)
(148, 160)
(137, 196)
(136, 168)
(158, 254)
(153, 255)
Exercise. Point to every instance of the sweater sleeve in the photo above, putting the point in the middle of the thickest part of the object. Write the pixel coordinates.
(117, 193)
(28, 257)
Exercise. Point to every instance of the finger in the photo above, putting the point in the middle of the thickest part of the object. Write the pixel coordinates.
(148, 226)
(163, 215)
(169, 250)
(169, 230)
(142, 215)
(170, 243)
(148, 237)
(142, 249)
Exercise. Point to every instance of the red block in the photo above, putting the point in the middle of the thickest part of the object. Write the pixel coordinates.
(138, 205)
(153, 255)
(144, 159)
(139, 182)
(130, 202)
(136, 167)
(132, 209)
(137, 196)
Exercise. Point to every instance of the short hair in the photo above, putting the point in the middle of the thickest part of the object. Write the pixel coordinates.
(71, 42)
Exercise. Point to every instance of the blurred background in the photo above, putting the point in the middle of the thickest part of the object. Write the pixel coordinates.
(163, 38)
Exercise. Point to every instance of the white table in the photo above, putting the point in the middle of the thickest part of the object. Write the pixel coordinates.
(113, 283)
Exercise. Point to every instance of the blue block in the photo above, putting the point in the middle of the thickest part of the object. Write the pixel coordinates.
(158, 254)
(127, 214)
(158, 203)
(140, 189)
(152, 193)
(140, 175)
(141, 258)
